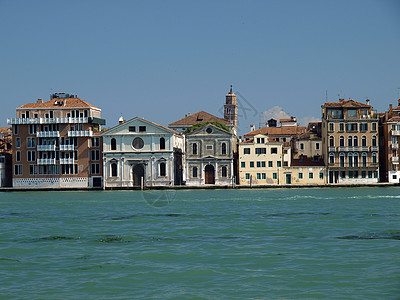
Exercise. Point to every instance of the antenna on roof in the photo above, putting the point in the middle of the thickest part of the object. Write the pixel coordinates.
(326, 96)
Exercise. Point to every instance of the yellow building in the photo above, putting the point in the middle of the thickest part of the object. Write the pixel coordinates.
(307, 171)
(261, 161)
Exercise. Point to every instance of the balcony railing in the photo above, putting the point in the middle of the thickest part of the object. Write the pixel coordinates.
(46, 147)
(46, 161)
(374, 148)
(66, 147)
(395, 132)
(18, 121)
(395, 159)
(332, 149)
(80, 133)
(66, 161)
(48, 134)
(354, 149)
(395, 146)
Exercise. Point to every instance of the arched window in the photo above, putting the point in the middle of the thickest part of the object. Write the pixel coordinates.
(355, 141)
(374, 159)
(374, 141)
(114, 170)
(342, 159)
(162, 143)
(331, 141)
(223, 148)
(350, 159)
(194, 172)
(194, 148)
(162, 169)
(113, 144)
(364, 159)
(350, 141)
(364, 141)
(355, 159)
(331, 158)
(341, 141)
(224, 171)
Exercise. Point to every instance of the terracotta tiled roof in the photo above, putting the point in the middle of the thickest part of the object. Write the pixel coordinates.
(6, 130)
(307, 162)
(308, 136)
(197, 118)
(394, 119)
(278, 131)
(347, 103)
(55, 103)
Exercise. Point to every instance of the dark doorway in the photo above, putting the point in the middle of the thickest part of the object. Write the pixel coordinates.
(288, 178)
(209, 174)
(96, 181)
(138, 174)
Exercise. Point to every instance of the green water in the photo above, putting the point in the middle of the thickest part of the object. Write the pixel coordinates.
(339, 243)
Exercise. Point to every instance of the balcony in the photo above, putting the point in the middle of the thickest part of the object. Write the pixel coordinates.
(46, 161)
(66, 161)
(48, 134)
(46, 147)
(395, 132)
(395, 146)
(395, 159)
(332, 149)
(374, 148)
(66, 147)
(18, 121)
(81, 133)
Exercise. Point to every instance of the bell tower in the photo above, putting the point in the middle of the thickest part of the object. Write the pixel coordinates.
(231, 109)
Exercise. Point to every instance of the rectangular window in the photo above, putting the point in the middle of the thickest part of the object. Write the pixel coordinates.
(31, 142)
(301, 146)
(373, 127)
(142, 128)
(364, 127)
(342, 174)
(351, 127)
(310, 175)
(246, 151)
(363, 174)
(352, 113)
(260, 140)
(317, 146)
(17, 169)
(261, 150)
(252, 164)
(18, 156)
(95, 142)
(95, 168)
(350, 174)
(95, 154)
(18, 142)
(300, 175)
(32, 128)
(263, 164)
(33, 170)
(15, 129)
(243, 164)
(31, 155)
(247, 176)
(274, 150)
(258, 164)
(209, 147)
(331, 127)
(274, 175)
(279, 164)
(369, 174)
(263, 176)
(258, 175)
(375, 174)
(270, 164)
(132, 128)
(321, 175)
(341, 126)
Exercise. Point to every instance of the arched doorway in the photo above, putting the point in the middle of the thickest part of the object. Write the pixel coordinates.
(138, 173)
(209, 174)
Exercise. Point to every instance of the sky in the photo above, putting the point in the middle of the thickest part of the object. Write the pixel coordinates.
(160, 60)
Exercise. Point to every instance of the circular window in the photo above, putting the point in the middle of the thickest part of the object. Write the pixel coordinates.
(138, 143)
(208, 130)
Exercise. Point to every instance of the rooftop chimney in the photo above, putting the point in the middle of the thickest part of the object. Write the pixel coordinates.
(390, 107)
(39, 101)
(121, 120)
(252, 127)
(367, 101)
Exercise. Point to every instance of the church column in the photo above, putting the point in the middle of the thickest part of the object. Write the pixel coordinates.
(152, 143)
(216, 171)
(122, 144)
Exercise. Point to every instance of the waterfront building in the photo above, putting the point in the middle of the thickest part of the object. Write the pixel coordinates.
(390, 140)
(142, 153)
(307, 171)
(209, 155)
(56, 143)
(5, 157)
(309, 143)
(262, 160)
(350, 142)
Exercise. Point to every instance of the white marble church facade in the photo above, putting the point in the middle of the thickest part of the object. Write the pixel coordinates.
(138, 152)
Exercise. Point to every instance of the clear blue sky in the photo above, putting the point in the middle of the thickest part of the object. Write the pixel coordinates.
(162, 59)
